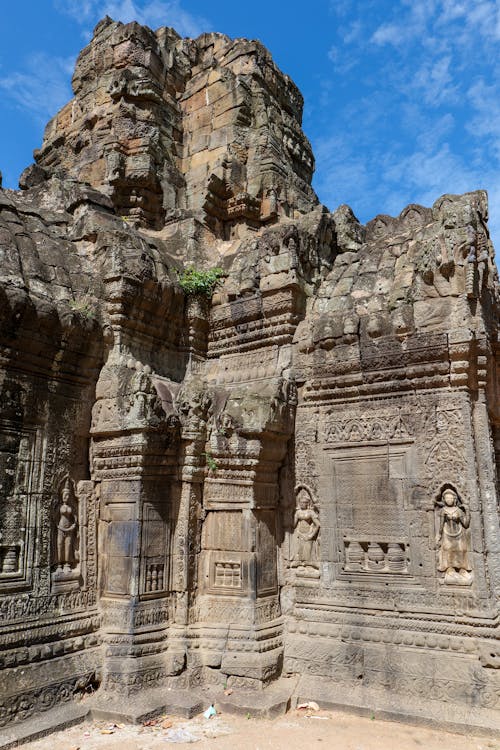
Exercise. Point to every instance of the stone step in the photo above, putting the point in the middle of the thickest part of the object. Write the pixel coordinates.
(146, 705)
(274, 700)
(39, 725)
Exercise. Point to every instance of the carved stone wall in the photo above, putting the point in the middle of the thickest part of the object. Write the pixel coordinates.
(388, 438)
(206, 128)
(294, 475)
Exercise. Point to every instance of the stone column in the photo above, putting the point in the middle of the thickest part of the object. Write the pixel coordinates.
(134, 451)
(134, 459)
(239, 609)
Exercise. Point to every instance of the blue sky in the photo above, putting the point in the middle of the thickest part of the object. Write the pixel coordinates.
(402, 99)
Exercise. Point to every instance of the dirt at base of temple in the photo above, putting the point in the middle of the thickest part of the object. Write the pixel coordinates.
(297, 730)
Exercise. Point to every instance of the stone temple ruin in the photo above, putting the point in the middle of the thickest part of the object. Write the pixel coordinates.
(292, 477)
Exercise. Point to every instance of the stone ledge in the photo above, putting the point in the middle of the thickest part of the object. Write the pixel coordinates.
(366, 701)
(104, 707)
(146, 705)
(39, 725)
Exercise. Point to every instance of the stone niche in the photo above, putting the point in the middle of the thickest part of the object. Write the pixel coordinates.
(292, 475)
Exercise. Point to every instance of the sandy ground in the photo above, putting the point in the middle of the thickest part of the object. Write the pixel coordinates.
(298, 730)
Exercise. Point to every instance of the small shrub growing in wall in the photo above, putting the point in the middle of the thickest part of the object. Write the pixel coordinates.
(210, 462)
(85, 307)
(195, 282)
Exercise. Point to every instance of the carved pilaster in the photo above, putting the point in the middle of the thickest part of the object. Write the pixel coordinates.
(134, 447)
(238, 561)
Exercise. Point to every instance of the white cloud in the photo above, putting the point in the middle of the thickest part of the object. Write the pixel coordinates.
(389, 180)
(435, 81)
(354, 33)
(120, 10)
(42, 88)
(427, 174)
(81, 10)
(437, 21)
(153, 13)
(428, 120)
(344, 174)
(485, 121)
(477, 19)
(390, 33)
(341, 7)
(409, 26)
(157, 13)
(433, 131)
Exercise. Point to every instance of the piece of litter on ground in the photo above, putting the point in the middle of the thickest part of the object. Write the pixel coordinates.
(167, 723)
(209, 712)
(312, 705)
(315, 717)
(180, 735)
(228, 691)
(107, 731)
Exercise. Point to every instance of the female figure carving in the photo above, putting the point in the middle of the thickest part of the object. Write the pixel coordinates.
(306, 525)
(454, 519)
(66, 532)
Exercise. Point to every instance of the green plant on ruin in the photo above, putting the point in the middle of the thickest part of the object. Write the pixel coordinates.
(84, 307)
(203, 283)
(211, 462)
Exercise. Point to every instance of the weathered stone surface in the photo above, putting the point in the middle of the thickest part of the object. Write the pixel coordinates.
(173, 128)
(294, 475)
(263, 704)
(147, 705)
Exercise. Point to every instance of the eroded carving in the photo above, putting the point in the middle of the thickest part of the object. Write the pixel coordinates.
(66, 548)
(306, 530)
(381, 557)
(451, 538)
